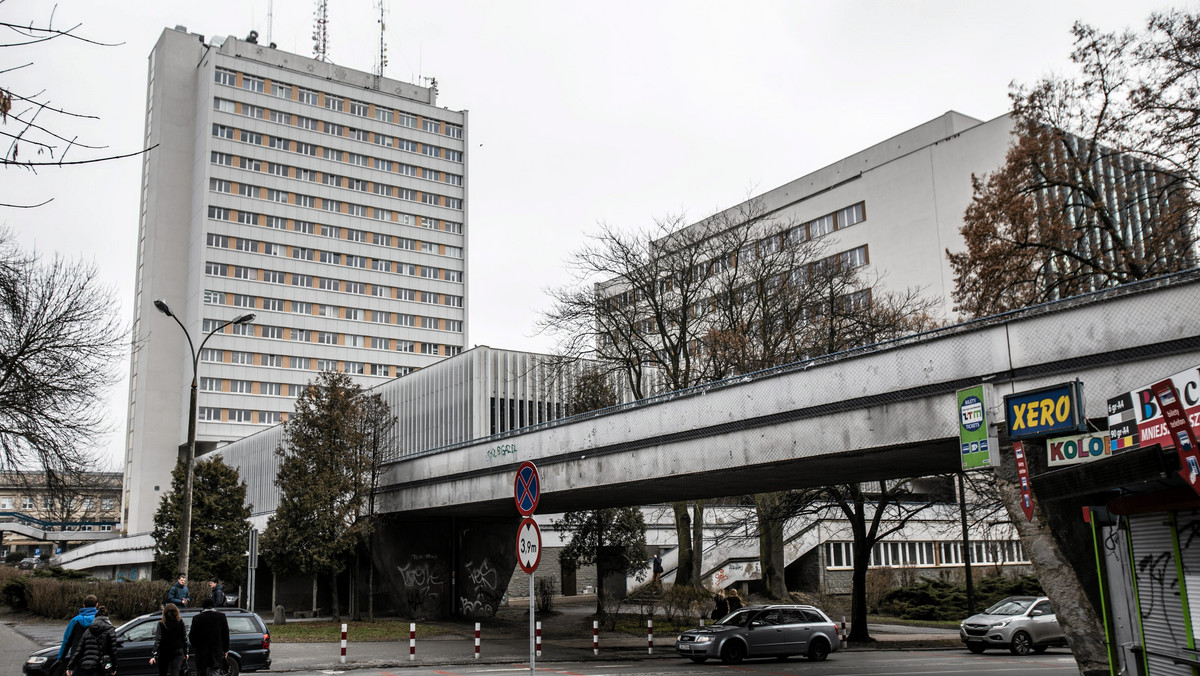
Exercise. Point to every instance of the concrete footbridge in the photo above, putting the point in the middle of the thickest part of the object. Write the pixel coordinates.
(883, 411)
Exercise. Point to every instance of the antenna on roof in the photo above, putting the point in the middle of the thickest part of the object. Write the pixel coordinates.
(320, 32)
(270, 20)
(382, 63)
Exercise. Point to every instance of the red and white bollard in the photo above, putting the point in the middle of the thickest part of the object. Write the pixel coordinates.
(476, 640)
(595, 637)
(843, 632)
(539, 639)
(343, 644)
(412, 641)
(649, 637)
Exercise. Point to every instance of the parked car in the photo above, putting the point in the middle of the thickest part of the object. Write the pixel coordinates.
(1023, 624)
(31, 563)
(778, 631)
(249, 646)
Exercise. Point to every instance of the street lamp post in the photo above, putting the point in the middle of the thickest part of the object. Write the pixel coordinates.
(185, 526)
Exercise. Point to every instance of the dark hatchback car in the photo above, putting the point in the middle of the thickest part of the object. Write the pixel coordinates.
(249, 646)
(777, 631)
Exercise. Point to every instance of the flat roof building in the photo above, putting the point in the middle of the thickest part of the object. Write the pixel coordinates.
(329, 202)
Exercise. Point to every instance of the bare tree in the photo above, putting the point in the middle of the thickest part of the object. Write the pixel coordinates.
(59, 342)
(1099, 186)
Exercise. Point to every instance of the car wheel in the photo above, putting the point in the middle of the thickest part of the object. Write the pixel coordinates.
(976, 648)
(1022, 644)
(818, 650)
(232, 666)
(698, 659)
(733, 653)
(1039, 649)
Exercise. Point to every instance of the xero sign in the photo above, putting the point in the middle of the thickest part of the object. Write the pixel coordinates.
(1046, 411)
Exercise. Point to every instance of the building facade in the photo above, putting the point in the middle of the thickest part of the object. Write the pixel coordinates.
(329, 202)
(30, 509)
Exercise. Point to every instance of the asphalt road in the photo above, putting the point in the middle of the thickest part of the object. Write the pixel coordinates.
(1056, 662)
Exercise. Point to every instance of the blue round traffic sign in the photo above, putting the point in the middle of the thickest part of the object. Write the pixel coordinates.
(527, 489)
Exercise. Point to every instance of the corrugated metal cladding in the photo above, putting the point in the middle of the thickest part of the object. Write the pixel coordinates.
(474, 395)
(1159, 594)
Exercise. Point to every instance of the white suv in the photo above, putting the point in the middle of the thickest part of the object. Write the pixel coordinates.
(1023, 624)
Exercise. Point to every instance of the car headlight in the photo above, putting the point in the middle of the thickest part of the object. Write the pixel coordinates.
(1001, 624)
(36, 659)
(704, 639)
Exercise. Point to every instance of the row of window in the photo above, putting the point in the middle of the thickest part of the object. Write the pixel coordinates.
(896, 554)
(313, 150)
(332, 311)
(218, 269)
(338, 339)
(226, 106)
(332, 231)
(328, 204)
(27, 502)
(219, 241)
(255, 138)
(312, 97)
(214, 356)
(288, 171)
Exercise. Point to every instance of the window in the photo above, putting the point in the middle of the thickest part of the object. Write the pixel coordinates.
(406, 294)
(309, 123)
(279, 117)
(454, 203)
(273, 277)
(383, 165)
(430, 198)
(454, 179)
(384, 140)
(219, 241)
(247, 190)
(278, 143)
(379, 343)
(249, 163)
(356, 287)
(252, 137)
(820, 226)
(380, 317)
(221, 131)
(226, 77)
(253, 111)
(216, 269)
(247, 217)
(242, 300)
(107, 504)
(302, 335)
(326, 364)
(210, 355)
(429, 348)
(302, 253)
(360, 160)
(456, 228)
(302, 280)
(453, 276)
(306, 149)
(276, 169)
(353, 341)
(331, 154)
(276, 222)
(429, 322)
(331, 179)
(243, 272)
(273, 304)
(407, 194)
(27, 502)
(406, 120)
(241, 357)
(214, 297)
(301, 307)
(356, 210)
(356, 261)
(208, 414)
(433, 126)
(280, 90)
(272, 360)
(454, 325)
(334, 102)
(331, 205)
(382, 240)
(327, 338)
(331, 257)
(383, 114)
(359, 134)
(407, 170)
(850, 215)
(430, 273)
(381, 291)
(356, 236)
(854, 258)
(355, 367)
(405, 346)
(406, 320)
(305, 201)
(432, 151)
(382, 266)
(382, 214)
(453, 131)
(379, 369)
(277, 195)
(329, 284)
(254, 84)
(241, 415)
(454, 155)
(406, 145)
(304, 226)
(306, 96)
(240, 386)
(297, 363)
(222, 158)
(358, 184)
(268, 418)
(331, 128)
(452, 301)
(274, 389)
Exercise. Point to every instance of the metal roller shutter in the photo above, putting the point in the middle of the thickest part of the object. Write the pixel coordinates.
(1161, 606)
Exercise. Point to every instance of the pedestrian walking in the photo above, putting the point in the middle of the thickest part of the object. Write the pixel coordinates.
(216, 591)
(210, 640)
(76, 626)
(170, 643)
(97, 643)
(178, 593)
(722, 608)
(656, 566)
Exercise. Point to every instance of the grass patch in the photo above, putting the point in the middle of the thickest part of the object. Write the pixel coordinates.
(939, 624)
(636, 627)
(331, 632)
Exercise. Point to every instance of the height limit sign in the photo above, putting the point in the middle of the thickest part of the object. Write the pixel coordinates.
(529, 545)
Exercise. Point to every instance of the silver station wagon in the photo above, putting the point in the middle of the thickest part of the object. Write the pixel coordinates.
(778, 631)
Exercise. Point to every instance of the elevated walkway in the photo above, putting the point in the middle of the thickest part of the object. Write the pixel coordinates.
(51, 531)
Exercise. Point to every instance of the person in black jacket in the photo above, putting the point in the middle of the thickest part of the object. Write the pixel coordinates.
(217, 591)
(170, 642)
(210, 640)
(96, 647)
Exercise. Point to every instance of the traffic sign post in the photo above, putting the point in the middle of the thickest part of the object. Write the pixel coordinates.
(527, 491)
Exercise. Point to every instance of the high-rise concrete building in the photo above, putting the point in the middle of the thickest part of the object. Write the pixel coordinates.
(329, 202)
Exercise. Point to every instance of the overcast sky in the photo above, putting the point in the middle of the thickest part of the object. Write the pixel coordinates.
(580, 113)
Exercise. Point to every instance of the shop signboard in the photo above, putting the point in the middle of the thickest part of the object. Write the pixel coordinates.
(978, 445)
(1045, 411)
(1135, 418)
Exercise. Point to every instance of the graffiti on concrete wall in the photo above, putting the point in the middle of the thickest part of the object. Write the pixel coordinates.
(424, 580)
(481, 592)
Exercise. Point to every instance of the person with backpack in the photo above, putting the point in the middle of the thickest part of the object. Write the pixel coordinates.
(77, 625)
(178, 594)
(170, 643)
(96, 647)
(217, 592)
